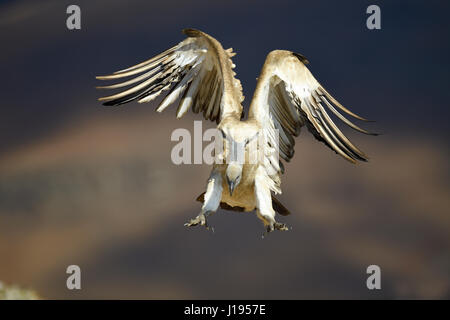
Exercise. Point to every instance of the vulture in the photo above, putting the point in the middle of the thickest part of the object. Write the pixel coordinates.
(197, 74)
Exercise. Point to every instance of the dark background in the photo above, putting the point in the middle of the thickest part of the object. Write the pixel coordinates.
(94, 186)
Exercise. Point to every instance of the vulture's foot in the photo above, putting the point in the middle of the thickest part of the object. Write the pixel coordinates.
(275, 226)
(199, 220)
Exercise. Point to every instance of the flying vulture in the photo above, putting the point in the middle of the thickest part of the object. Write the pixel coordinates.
(198, 74)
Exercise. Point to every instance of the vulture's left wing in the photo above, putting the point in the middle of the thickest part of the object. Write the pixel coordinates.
(198, 70)
(288, 97)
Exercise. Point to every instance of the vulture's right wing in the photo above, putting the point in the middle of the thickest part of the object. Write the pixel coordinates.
(198, 70)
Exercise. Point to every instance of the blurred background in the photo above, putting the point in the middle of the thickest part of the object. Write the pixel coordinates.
(94, 186)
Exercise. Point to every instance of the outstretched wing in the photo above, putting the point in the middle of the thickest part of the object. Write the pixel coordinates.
(288, 97)
(198, 70)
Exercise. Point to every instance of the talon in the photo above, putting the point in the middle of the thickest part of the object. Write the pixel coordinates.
(269, 229)
(199, 220)
(275, 226)
(280, 226)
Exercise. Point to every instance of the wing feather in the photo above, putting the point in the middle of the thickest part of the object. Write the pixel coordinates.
(288, 97)
(198, 70)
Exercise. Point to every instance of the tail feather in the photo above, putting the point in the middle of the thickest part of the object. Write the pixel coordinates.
(278, 207)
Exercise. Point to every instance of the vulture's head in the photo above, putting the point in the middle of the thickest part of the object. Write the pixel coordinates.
(233, 174)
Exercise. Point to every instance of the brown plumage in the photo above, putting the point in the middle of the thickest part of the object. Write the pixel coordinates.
(277, 205)
(198, 73)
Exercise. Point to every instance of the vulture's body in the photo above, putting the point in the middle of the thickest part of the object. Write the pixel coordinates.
(287, 97)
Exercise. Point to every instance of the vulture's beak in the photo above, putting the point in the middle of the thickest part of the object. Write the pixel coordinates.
(231, 186)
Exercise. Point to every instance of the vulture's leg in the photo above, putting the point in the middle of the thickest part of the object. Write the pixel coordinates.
(213, 196)
(264, 208)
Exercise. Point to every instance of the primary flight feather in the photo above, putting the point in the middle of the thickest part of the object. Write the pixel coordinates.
(198, 73)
